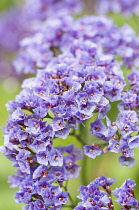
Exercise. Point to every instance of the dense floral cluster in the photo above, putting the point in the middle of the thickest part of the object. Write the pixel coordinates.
(42, 167)
(95, 199)
(40, 11)
(66, 93)
(78, 75)
(11, 31)
(126, 7)
(55, 35)
(39, 49)
(97, 76)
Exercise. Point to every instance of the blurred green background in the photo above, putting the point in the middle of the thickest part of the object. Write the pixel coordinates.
(106, 164)
(4, 4)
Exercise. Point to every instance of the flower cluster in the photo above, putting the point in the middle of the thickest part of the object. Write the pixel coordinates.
(95, 199)
(60, 97)
(40, 11)
(42, 167)
(11, 31)
(78, 75)
(85, 78)
(39, 49)
(72, 87)
(120, 132)
(55, 35)
(125, 195)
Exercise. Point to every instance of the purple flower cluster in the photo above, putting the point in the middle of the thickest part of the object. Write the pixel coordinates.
(39, 49)
(125, 7)
(125, 195)
(62, 34)
(95, 199)
(42, 167)
(29, 15)
(72, 88)
(127, 123)
(82, 50)
(11, 32)
(77, 76)
(119, 136)
(74, 85)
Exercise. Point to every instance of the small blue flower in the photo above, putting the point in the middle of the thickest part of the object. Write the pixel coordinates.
(92, 151)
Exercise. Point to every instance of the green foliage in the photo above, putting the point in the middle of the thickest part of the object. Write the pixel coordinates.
(4, 4)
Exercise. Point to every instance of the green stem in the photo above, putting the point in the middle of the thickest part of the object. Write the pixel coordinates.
(136, 22)
(83, 131)
(48, 116)
(68, 206)
(27, 148)
(70, 198)
(83, 171)
(78, 137)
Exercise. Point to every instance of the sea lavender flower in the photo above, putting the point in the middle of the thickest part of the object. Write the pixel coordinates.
(57, 99)
(11, 31)
(93, 198)
(45, 8)
(72, 88)
(38, 171)
(55, 35)
(69, 89)
(125, 195)
(38, 50)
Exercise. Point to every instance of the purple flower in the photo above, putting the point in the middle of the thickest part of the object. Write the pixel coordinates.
(92, 151)
(126, 161)
(113, 146)
(22, 197)
(133, 142)
(133, 77)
